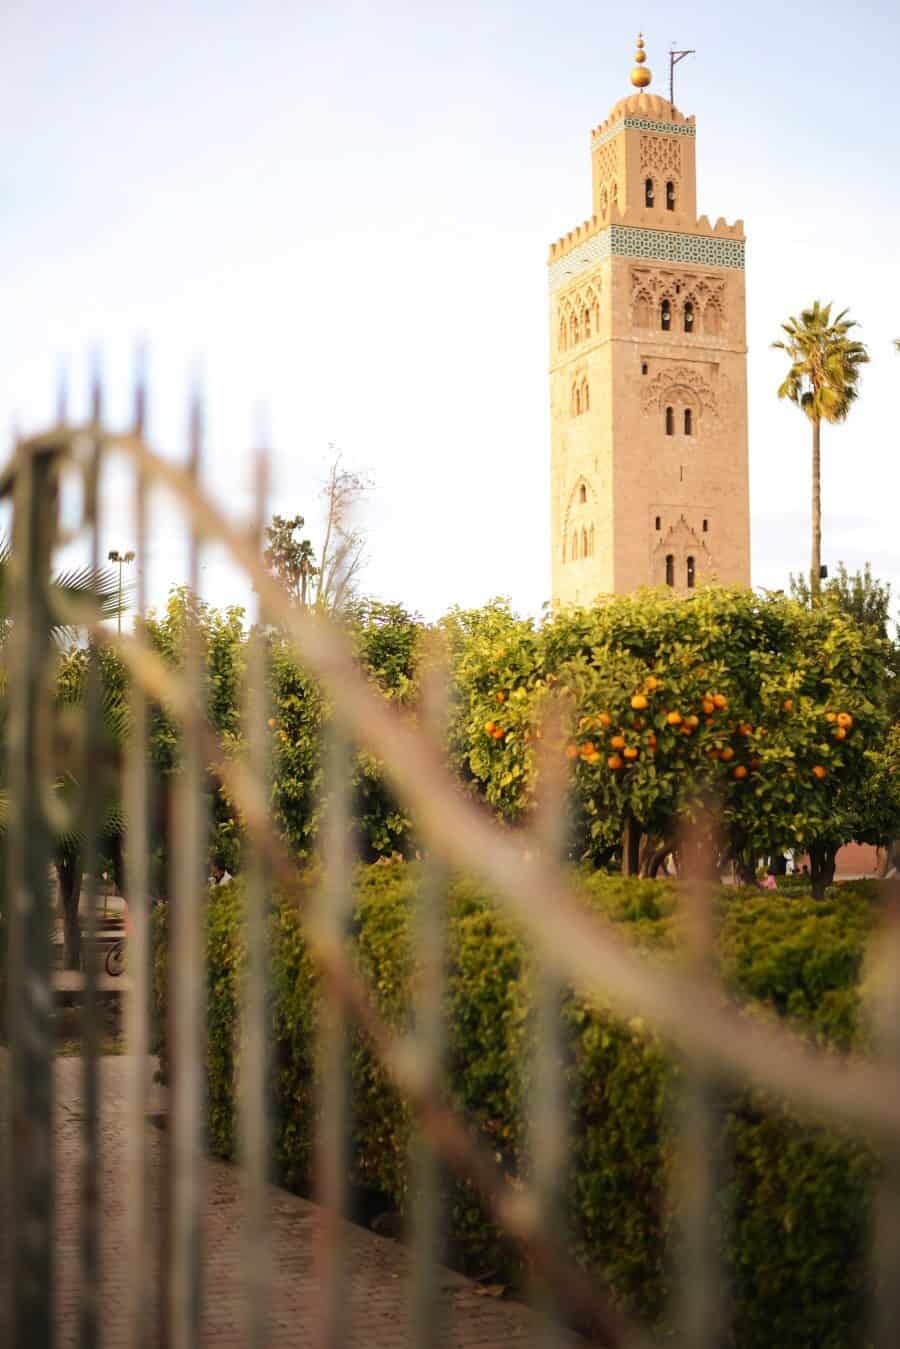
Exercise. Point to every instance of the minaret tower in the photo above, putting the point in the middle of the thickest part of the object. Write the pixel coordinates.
(648, 370)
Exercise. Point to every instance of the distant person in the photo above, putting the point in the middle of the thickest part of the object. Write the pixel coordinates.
(768, 882)
(219, 875)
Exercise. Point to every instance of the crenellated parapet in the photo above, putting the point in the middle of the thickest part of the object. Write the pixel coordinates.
(719, 245)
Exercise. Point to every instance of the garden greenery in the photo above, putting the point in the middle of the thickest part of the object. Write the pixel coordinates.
(797, 1206)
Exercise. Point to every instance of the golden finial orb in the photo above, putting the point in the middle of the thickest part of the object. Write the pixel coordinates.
(640, 75)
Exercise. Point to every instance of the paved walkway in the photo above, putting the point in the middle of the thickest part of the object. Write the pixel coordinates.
(378, 1267)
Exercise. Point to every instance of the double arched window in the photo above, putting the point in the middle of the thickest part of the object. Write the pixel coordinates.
(691, 573)
(670, 196)
(688, 316)
(581, 397)
(670, 569)
(648, 192)
(665, 315)
(687, 421)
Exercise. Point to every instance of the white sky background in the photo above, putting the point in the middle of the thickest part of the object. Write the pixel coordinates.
(342, 213)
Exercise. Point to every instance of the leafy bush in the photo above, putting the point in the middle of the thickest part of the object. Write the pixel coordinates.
(798, 1199)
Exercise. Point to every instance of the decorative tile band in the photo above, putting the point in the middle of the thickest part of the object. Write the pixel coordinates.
(643, 124)
(630, 241)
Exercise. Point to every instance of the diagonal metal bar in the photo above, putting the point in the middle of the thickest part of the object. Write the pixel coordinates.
(513, 1209)
(30, 1174)
(693, 1013)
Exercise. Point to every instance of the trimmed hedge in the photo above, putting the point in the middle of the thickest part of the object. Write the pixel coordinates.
(799, 1197)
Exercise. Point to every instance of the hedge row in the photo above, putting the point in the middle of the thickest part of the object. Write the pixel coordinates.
(798, 1201)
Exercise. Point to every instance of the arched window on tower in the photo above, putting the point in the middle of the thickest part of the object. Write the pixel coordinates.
(582, 493)
(585, 397)
(688, 316)
(575, 546)
(648, 191)
(573, 330)
(586, 322)
(688, 422)
(665, 315)
(670, 569)
(670, 421)
(670, 196)
(584, 543)
(691, 576)
(591, 542)
(576, 400)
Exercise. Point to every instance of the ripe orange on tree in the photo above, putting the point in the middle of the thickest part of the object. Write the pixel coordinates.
(673, 718)
(639, 702)
(604, 718)
(840, 732)
(739, 771)
(820, 771)
(588, 748)
(630, 752)
(844, 719)
(617, 741)
(692, 720)
(788, 704)
(490, 727)
(614, 762)
(720, 701)
(709, 706)
(727, 753)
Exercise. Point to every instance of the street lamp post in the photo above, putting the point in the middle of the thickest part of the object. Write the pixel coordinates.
(123, 560)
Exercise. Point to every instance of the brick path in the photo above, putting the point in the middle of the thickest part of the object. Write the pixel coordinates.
(378, 1268)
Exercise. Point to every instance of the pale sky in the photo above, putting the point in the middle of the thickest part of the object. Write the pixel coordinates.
(341, 212)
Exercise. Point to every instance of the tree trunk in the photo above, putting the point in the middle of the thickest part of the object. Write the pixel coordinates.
(816, 564)
(821, 867)
(631, 846)
(68, 869)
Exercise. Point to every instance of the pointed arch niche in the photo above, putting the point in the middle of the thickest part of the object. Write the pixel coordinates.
(579, 534)
(680, 558)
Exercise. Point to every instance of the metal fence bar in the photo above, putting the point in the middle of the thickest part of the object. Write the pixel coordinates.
(429, 1330)
(138, 1240)
(30, 1179)
(547, 1116)
(90, 774)
(334, 909)
(254, 1059)
(699, 1163)
(885, 1272)
(187, 981)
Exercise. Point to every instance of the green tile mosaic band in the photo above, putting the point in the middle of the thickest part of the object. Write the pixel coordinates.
(643, 124)
(629, 241)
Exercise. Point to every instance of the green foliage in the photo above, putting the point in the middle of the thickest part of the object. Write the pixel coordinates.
(799, 1198)
(825, 363)
(737, 698)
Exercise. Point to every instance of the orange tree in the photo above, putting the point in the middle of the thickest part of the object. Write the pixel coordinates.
(754, 702)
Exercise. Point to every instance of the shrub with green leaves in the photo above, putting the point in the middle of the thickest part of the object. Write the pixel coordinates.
(797, 1205)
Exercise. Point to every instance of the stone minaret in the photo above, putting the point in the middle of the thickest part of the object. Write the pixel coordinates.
(648, 371)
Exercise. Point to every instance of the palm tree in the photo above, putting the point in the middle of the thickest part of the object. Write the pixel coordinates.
(822, 381)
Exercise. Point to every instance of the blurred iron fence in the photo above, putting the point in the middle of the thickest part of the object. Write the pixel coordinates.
(718, 1045)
